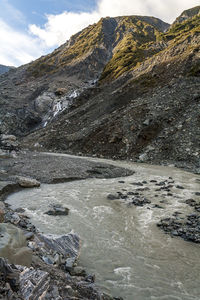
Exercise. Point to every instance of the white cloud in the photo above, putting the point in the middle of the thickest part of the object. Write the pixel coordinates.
(167, 10)
(60, 27)
(18, 48)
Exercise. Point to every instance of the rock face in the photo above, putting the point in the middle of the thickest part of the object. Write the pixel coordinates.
(130, 90)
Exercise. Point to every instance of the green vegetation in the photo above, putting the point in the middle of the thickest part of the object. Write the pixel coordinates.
(81, 44)
(181, 29)
(134, 48)
(132, 51)
(132, 39)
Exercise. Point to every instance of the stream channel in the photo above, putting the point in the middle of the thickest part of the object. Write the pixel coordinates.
(121, 244)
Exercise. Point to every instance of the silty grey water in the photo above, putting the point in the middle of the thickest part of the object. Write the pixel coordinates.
(121, 244)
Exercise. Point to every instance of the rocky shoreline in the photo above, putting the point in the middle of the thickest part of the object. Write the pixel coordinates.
(52, 271)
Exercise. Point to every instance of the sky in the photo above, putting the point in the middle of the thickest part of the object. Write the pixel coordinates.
(32, 28)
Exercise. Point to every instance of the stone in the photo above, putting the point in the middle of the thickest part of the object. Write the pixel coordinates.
(47, 260)
(180, 187)
(5, 137)
(29, 235)
(20, 210)
(10, 273)
(28, 182)
(69, 264)
(58, 211)
(68, 246)
(78, 271)
(4, 154)
(60, 91)
(9, 142)
(137, 183)
(33, 284)
(112, 197)
(143, 157)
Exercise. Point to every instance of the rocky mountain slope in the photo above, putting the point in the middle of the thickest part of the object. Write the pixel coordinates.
(126, 87)
(34, 93)
(4, 69)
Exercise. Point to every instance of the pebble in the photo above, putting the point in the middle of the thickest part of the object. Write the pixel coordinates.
(180, 187)
(112, 197)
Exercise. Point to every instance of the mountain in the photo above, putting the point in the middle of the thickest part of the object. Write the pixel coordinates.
(126, 87)
(187, 14)
(72, 68)
(4, 69)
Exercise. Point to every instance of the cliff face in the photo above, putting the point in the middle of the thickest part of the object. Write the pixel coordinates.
(126, 87)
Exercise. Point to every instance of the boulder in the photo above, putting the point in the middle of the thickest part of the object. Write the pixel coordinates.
(28, 182)
(60, 91)
(28, 282)
(10, 138)
(58, 210)
(9, 142)
(67, 246)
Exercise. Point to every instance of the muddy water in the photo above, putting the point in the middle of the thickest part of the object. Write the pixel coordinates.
(121, 244)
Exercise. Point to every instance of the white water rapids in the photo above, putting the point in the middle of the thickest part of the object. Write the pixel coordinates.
(130, 256)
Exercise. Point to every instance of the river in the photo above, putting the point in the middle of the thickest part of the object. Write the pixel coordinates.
(121, 244)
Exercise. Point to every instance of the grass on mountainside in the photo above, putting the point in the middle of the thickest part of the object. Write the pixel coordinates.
(132, 53)
(82, 43)
(135, 46)
(133, 41)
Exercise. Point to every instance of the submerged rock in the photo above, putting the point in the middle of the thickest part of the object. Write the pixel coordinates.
(188, 229)
(58, 210)
(112, 197)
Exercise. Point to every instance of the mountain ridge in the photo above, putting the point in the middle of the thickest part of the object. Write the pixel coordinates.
(4, 69)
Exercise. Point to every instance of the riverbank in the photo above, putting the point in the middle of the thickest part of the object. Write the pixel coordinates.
(62, 280)
(151, 191)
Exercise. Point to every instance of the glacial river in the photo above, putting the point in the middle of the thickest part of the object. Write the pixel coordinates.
(121, 244)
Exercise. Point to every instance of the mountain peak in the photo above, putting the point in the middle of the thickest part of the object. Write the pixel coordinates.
(97, 43)
(187, 14)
